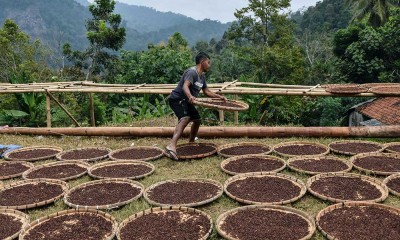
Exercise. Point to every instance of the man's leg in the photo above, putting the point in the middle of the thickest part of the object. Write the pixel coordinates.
(194, 129)
(183, 122)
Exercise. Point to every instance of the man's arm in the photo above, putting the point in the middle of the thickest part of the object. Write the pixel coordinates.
(186, 90)
(211, 94)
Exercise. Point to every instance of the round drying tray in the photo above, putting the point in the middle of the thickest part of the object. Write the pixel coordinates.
(358, 166)
(63, 185)
(14, 173)
(117, 204)
(257, 223)
(372, 181)
(87, 154)
(393, 177)
(7, 230)
(174, 193)
(56, 165)
(322, 149)
(347, 166)
(196, 150)
(245, 160)
(123, 168)
(386, 90)
(244, 176)
(243, 148)
(131, 153)
(73, 225)
(371, 85)
(16, 215)
(216, 103)
(393, 147)
(356, 223)
(379, 147)
(35, 152)
(185, 214)
(346, 89)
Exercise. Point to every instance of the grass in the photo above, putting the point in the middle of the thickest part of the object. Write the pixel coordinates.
(168, 169)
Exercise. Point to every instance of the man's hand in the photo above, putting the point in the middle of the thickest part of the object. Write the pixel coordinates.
(192, 99)
(223, 98)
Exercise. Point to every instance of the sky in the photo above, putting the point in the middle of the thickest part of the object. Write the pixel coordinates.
(221, 10)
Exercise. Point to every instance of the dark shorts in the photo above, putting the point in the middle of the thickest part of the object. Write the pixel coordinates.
(182, 109)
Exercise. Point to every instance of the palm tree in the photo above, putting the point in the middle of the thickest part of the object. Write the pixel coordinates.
(376, 10)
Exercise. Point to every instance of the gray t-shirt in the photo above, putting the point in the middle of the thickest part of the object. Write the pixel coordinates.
(197, 83)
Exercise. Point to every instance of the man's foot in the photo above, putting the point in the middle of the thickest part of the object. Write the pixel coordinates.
(171, 153)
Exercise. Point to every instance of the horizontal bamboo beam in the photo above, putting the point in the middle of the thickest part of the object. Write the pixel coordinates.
(210, 132)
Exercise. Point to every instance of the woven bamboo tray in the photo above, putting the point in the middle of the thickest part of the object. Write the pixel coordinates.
(371, 85)
(27, 164)
(121, 162)
(378, 184)
(346, 89)
(75, 162)
(63, 184)
(352, 141)
(194, 204)
(296, 169)
(61, 154)
(300, 143)
(42, 220)
(386, 90)
(22, 217)
(242, 176)
(160, 154)
(109, 206)
(161, 210)
(230, 145)
(7, 155)
(305, 216)
(368, 171)
(347, 204)
(196, 155)
(238, 158)
(386, 147)
(386, 181)
(213, 103)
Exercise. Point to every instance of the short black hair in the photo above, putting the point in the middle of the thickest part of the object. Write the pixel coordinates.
(201, 56)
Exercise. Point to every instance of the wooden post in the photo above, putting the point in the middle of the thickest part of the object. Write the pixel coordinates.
(48, 112)
(91, 103)
(221, 116)
(235, 113)
(63, 108)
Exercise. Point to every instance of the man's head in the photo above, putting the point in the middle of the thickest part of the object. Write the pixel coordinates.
(203, 60)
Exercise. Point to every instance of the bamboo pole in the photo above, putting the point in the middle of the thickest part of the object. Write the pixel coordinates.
(235, 113)
(221, 116)
(211, 132)
(48, 111)
(63, 108)
(91, 104)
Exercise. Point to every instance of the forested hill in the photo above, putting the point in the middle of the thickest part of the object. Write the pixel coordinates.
(60, 21)
(325, 16)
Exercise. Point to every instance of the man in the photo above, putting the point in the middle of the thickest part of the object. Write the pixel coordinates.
(182, 97)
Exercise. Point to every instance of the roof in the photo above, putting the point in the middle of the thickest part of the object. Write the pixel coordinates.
(385, 110)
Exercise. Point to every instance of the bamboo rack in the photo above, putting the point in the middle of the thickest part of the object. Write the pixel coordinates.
(234, 88)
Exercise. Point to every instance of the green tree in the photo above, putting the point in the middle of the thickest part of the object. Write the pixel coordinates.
(104, 35)
(367, 54)
(255, 19)
(19, 55)
(377, 11)
(264, 39)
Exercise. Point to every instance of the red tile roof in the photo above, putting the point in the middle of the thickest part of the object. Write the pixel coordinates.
(385, 110)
